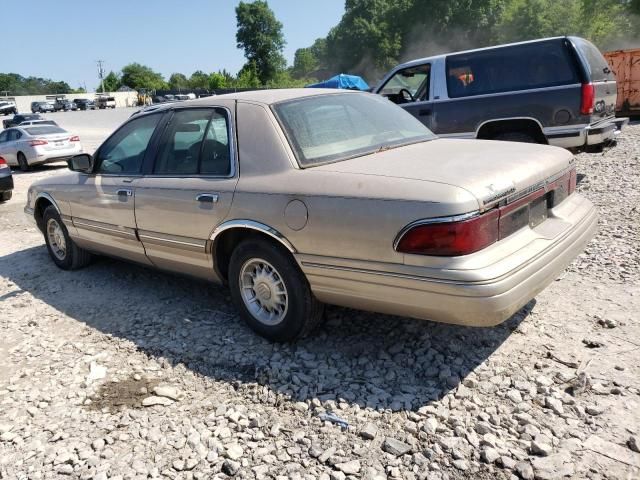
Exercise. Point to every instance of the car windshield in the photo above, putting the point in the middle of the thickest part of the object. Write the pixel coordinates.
(44, 130)
(330, 128)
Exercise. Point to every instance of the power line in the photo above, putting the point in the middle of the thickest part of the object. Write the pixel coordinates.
(101, 74)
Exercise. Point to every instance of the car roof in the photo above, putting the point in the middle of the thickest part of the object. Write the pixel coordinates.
(419, 61)
(266, 97)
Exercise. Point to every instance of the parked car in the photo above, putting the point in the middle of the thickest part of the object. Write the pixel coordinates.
(27, 123)
(20, 118)
(7, 108)
(26, 146)
(337, 197)
(6, 181)
(105, 102)
(64, 105)
(84, 104)
(41, 107)
(558, 91)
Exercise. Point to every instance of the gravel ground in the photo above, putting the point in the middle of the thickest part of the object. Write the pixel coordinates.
(120, 372)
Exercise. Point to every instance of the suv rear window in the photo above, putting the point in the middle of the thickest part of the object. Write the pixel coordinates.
(513, 68)
(596, 64)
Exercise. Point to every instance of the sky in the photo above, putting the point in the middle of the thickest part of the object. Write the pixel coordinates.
(63, 39)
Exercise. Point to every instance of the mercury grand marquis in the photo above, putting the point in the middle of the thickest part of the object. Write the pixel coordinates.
(296, 198)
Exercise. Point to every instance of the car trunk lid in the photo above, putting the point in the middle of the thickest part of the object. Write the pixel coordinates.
(491, 171)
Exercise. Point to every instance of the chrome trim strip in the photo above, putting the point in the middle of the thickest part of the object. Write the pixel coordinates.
(253, 225)
(90, 226)
(428, 221)
(167, 240)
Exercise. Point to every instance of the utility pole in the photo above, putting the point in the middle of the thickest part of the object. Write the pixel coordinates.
(101, 74)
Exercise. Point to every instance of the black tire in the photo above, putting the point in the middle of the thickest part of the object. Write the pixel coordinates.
(515, 137)
(303, 312)
(6, 196)
(22, 162)
(74, 257)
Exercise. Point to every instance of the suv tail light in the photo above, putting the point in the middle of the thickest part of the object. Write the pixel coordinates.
(3, 162)
(588, 98)
(35, 143)
(75, 138)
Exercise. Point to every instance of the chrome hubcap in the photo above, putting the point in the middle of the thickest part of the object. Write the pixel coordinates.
(263, 291)
(56, 239)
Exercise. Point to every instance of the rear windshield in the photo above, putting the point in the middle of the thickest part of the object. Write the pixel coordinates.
(329, 128)
(517, 67)
(597, 66)
(44, 130)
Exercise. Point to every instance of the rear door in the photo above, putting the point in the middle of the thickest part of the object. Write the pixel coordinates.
(601, 76)
(4, 143)
(187, 190)
(8, 148)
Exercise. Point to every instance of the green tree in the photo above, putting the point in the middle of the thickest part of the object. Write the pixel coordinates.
(138, 76)
(217, 80)
(178, 81)
(111, 82)
(260, 35)
(305, 63)
(199, 79)
(248, 77)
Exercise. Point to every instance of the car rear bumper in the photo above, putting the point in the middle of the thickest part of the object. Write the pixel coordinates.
(580, 136)
(485, 295)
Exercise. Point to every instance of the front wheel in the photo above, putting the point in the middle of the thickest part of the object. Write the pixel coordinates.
(271, 293)
(62, 249)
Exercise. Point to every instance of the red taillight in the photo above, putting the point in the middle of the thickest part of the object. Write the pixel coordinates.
(588, 99)
(75, 138)
(452, 238)
(35, 143)
(2, 162)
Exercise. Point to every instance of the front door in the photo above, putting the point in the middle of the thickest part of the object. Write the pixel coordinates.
(102, 204)
(187, 190)
(410, 89)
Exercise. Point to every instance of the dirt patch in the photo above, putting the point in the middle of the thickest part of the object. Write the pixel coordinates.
(119, 395)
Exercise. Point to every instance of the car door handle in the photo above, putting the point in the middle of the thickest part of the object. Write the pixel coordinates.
(207, 197)
(124, 192)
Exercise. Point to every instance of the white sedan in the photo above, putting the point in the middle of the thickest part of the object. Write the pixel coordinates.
(26, 146)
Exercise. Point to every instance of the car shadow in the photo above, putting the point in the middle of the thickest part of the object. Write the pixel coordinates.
(40, 168)
(368, 359)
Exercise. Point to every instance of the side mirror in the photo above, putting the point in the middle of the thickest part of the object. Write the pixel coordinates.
(81, 163)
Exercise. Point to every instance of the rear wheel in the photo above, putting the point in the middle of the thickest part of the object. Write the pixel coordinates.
(271, 293)
(515, 137)
(62, 249)
(23, 163)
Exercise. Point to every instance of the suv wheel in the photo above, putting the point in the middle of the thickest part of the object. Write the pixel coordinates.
(63, 251)
(23, 163)
(6, 196)
(271, 293)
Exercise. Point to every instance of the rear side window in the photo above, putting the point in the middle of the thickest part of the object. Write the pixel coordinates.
(34, 131)
(504, 69)
(597, 66)
(196, 141)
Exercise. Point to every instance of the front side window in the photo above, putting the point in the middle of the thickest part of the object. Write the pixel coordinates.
(408, 85)
(4, 136)
(329, 128)
(124, 151)
(196, 141)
